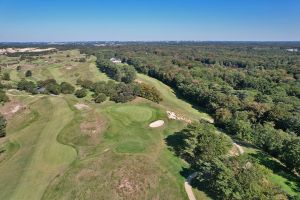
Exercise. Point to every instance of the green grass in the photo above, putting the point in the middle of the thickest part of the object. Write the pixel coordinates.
(40, 157)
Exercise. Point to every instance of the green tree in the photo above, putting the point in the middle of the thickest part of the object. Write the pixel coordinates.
(150, 93)
(3, 97)
(291, 154)
(28, 73)
(2, 126)
(203, 142)
(27, 86)
(100, 98)
(6, 76)
(53, 89)
(81, 93)
(67, 88)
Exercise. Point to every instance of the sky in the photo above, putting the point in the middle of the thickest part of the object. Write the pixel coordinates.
(149, 20)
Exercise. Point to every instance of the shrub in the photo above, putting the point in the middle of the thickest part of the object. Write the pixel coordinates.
(81, 93)
(100, 98)
(67, 88)
(28, 73)
(2, 126)
(3, 97)
(53, 89)
(6, 76)
(27, 86)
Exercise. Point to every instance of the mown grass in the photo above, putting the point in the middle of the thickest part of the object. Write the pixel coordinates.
(40, 157)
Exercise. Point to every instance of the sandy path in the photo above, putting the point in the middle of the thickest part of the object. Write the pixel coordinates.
(188, 187)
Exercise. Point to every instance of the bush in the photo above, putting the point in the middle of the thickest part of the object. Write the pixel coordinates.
(2, 126)
(82, 60)
(87, 84)
(6, 76)
(28, 73)
(3, 97)
(53, 89)
(27, 86)
(81, 93)
(67, 88)
(150, 93)
(100, 98)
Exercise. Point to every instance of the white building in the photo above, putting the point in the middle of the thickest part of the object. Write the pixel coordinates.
(116, 61)
(292, 50)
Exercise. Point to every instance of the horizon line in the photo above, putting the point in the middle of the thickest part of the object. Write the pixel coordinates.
(122, 41)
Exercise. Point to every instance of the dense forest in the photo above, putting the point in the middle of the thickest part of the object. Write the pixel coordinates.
(251, 89)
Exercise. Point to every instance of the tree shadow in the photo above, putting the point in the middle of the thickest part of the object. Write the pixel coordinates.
(175, 142)
(278, 169)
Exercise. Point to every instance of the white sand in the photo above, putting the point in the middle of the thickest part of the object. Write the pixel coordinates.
(15, 109)
(81, 106)
(156, 124)
(174, 116)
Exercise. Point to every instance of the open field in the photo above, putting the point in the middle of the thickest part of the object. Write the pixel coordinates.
(62, 147)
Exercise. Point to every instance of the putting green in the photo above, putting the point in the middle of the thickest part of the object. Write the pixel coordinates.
(135, 113)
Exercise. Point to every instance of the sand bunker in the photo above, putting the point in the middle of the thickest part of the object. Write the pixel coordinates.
(156, 124)
(173, 115)
(81, 106)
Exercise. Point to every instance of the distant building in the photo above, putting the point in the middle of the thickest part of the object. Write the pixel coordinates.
(116, 61)
(292, 50)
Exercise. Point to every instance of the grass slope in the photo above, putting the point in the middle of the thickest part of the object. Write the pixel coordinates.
(172, 102)
(40, 157)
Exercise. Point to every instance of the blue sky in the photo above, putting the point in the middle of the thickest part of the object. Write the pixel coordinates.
(135, 20)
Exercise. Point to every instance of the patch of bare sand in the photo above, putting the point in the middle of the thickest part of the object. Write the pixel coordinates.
(236, 150)
(138, 81)
(156, 124)
(81, 106)
(11, 108)
(175, 116)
